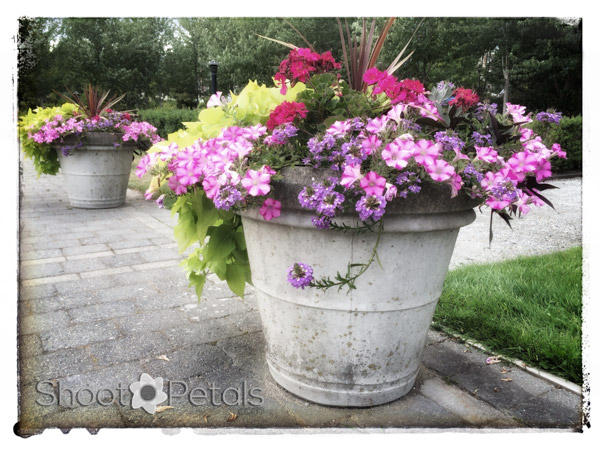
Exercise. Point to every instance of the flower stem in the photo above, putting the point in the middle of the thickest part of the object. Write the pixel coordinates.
(349, 279)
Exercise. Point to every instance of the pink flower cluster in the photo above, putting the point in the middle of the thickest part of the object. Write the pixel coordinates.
(286, 112)
(347, 144)
(301, 64)
(53, 129)
(56, 128)
(134, 130)
(464, 98)
(408, 92)
(220, 166)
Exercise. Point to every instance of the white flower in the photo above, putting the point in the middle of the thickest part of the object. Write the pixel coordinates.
(147, 393)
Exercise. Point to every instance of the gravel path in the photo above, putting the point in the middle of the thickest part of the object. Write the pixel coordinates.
(543, 230)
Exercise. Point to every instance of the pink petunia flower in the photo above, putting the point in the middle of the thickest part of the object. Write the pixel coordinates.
(351, 175)
(211, 187)
(176, 186)
(339, 128)
(270, 209)
(558, 151)
(425, 152)
(370, 144)
(543, 170)
(440, 170)
(257, 182)
(522, 162)
(373, 184)
(396, 154)
(487, 154)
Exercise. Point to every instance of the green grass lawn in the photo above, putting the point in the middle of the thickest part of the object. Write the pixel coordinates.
(527, 308)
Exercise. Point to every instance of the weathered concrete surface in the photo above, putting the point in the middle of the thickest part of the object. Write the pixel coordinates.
(103, 300)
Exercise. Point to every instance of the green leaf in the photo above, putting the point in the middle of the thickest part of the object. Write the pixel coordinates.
(219, 247)
(206, 213)
(185, 230)
(197, 281)
(236, 278)
(194, 263)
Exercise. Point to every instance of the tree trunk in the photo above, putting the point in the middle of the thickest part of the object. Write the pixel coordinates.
(506, 73)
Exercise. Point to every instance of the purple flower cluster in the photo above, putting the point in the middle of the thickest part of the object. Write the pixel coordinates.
(324, 200)
(550, 117)
(67, 149)
(300, 275)
(505, 190)
(471, 171)
(482, 139)
(282, 134)
(482, 108)
(408, 182)
(445, 85)
(371, 207)
(449, 140)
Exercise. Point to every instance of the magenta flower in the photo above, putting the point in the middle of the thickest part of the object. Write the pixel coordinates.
(370, 144)
(487, 154)
(440, 170)
(373, 184)
(270, 209)
(211, 187)
(145, 163)
(339, 128)
(397, 154)
(351, 174)
(558, 151)
(189, 174)
(523, 162)
(543, 170)
(425, 152)
(257, 182)
(377, 125)
(517, 112)
(215, 100)
(494, 203)
(373, 75)
(391, 192)
(176, 186)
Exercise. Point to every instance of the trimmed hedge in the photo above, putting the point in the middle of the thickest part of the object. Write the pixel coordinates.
(568, 133)
(168, 120)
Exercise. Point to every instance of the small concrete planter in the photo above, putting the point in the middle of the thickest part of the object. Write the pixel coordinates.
(97, 173)
(361, 348)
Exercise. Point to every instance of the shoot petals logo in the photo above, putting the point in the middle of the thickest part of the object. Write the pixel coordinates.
(147, 393)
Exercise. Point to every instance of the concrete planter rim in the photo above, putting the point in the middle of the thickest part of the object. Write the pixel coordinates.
(95, 138)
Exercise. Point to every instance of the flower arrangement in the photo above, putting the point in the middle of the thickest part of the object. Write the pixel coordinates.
(67, 126)
(380, 144)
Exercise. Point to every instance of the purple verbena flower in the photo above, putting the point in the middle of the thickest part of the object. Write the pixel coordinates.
(371, 206)
(550, 117)
(300, 275)
(227, 197)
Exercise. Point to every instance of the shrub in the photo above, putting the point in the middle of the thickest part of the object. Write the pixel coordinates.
(568, 133)
(167, 120)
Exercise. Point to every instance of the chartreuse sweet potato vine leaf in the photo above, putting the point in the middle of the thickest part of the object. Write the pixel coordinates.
(45, 160)
(221, 248)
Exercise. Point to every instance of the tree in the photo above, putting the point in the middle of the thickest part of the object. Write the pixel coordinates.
(34, 46)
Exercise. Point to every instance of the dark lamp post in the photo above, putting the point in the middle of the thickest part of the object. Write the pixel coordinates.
(213, 65)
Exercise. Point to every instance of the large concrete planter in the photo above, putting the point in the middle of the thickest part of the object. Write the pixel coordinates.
(361, 348)
(97, 173)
